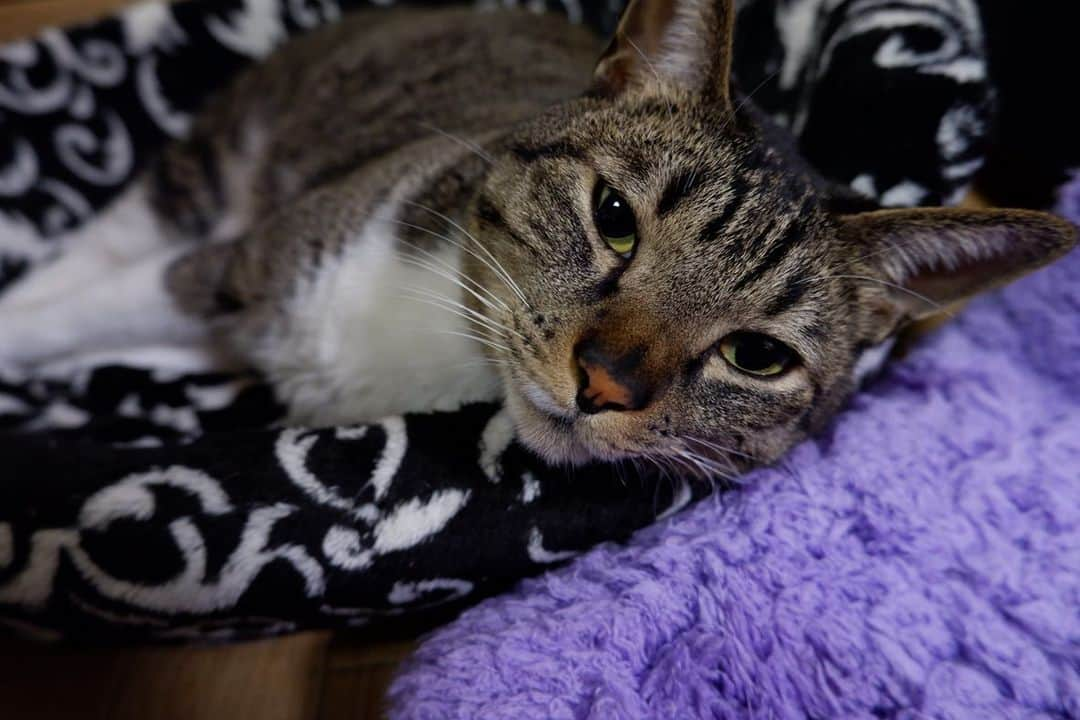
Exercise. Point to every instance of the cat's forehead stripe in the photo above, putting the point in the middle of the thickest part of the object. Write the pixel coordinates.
(682, 186)
(561, 148)
(774, 255)
(815, 332)
(794, 290)
(488, 213)
(777, 251)
(715, 227)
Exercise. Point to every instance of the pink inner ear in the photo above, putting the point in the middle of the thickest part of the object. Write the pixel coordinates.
(938, 287)
(946, 255)
(683, 43)
(993, 257)
(645, 25)
(934, 291)
(637, 39)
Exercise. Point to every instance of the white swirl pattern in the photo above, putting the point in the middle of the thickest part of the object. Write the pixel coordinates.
(21, 174)
(75, 142)
(174, 123)
(96, 62)
(71, 207)
(190, 590)
(252, 31)
(19, 93)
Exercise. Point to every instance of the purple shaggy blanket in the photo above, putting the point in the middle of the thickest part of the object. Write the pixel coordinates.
(921, 560)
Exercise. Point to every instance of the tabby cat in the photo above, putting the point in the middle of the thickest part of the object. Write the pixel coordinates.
(411, 210)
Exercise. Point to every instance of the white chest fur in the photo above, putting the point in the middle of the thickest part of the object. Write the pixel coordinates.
(356, 344)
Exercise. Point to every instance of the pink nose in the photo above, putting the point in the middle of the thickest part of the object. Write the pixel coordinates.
(601, 391)
(609, 381)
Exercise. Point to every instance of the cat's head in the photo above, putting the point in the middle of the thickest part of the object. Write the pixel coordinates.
(678, 287)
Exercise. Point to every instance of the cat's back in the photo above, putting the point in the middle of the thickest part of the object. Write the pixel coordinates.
(330, 101)
(468, 66)
(376, 83)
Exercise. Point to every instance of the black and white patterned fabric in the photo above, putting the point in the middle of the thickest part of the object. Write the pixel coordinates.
(142, 501)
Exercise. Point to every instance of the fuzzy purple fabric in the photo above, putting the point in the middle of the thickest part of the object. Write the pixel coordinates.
(921, 560)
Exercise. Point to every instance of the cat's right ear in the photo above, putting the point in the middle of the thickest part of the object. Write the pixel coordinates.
(670, 44)
(913, 263)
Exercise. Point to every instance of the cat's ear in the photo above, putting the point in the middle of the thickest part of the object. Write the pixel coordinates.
(677, 43)
(913, 263)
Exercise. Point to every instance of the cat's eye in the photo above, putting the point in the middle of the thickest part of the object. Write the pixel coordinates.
(615, 221)
(756, 354)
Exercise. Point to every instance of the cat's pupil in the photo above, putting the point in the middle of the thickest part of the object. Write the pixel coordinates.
(757, 353)
(614, 218)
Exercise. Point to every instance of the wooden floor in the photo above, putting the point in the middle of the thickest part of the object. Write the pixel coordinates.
(19, 18)
(305, 677)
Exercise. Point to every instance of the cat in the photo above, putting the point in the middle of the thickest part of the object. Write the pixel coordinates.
(411, 210)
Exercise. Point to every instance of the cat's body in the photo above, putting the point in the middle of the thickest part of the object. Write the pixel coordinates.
(413, 210)
(336, 159)
(344, 226)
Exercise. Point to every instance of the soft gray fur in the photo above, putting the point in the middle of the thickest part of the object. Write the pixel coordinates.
(493, 131)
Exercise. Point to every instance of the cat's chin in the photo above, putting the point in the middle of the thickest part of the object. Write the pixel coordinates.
(555, 433)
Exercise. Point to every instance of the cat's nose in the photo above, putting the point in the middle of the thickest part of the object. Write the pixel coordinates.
(609, 381)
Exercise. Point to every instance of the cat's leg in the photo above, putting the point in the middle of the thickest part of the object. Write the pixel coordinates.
(132, 307)
(125, 232)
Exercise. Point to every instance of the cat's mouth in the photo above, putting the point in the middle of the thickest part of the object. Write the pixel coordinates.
(559, 432)
(542, 400)
(562, 434)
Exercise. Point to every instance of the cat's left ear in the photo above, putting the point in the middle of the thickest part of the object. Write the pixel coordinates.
(672, 43)
(913, 263)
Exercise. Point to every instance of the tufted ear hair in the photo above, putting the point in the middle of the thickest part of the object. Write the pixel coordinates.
(670, 43)
(917, 262)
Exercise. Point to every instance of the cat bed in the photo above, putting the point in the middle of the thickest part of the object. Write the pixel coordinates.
(920, 560)
(140, 500)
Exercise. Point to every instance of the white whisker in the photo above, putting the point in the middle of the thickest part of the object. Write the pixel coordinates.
(704, 467)
(485, 341)
(430, 268)
(476, 149)
(721, 448)
(461, 247)
(440, 261)
(701, 466)
(424, 295)
(504, 274)
(419, 293)
(866, 278)
(754, 92)
(726, 473)
(466, 308)
(478, 326)
(435, 258)
(652, 68)
(481, 361)
(678, 460)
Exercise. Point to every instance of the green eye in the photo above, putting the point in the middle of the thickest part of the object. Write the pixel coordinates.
(615, 221)
(756, 354)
